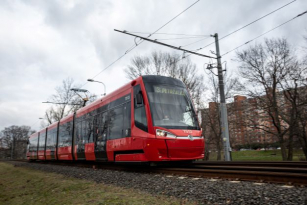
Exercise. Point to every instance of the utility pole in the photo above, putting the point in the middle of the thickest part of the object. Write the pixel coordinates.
(223, 108)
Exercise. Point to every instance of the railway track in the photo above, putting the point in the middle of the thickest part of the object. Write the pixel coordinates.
(291, 173)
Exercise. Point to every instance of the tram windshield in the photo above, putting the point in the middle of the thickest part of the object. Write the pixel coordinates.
(171, 107)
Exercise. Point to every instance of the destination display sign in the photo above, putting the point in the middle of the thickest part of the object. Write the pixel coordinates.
(168, 90)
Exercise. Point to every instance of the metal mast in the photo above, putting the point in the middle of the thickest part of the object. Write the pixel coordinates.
(223, 108)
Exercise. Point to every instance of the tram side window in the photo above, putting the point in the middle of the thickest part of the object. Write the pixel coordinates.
(61, 135)
(51, 139)
(116, 117)
(140, 118)
(96, 127)
(89, 133)
(54, 136)
(42, 138)
(65, 134)
(103, 125)
(33, 144)
(78, 135)
(84, 131)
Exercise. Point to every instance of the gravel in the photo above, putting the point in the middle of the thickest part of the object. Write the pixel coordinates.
(203, 191)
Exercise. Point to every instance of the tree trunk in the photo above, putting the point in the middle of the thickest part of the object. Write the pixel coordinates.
(207, 152)
(283, 149)
(290, 149)
(219, 155)
(290, 144)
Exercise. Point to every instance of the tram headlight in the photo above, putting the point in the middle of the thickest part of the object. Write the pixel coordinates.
(163, 133)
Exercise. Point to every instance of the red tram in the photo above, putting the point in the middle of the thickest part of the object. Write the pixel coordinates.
(151, 119)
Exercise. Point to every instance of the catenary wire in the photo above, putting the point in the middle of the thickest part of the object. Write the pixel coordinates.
(134, 46)
(196, 41)
(299, 15)
(246, 25)
(172, 34)
(165, 39)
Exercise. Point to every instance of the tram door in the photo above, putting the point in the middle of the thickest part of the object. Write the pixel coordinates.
(100, 125)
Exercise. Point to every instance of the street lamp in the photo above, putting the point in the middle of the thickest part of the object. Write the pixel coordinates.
(91, 80)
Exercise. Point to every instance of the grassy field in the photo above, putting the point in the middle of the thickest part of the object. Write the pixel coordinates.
(255, 155)
(26, 186)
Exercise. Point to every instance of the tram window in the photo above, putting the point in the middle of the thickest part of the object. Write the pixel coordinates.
(140, 118)
(61, 136)
(33, 144)
(83, 131)
(116, 123)
(65, 134)
(103, 125)
(89, 136)
(95, 127)
(42, 141)
(51, 139)
(127, 119)
(78, 135)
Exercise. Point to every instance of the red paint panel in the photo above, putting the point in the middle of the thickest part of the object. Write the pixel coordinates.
(75, 152)
(48, 154)
(64, 153)
(33, 155)
(155, 150)
(185, 149)
(130, 157)
(124, 144)
(90, 151)
(41, 155)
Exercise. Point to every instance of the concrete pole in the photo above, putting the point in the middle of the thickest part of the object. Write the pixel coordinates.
(223, 108)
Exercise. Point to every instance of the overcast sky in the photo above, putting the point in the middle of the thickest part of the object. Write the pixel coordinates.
(45, 42)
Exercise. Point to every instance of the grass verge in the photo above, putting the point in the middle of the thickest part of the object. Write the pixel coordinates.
(19, 185)
(259, 155)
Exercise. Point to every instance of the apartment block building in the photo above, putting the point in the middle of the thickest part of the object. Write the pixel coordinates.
(247, 122)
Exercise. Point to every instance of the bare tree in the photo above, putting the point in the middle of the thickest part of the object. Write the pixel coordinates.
(269, 70)
(171, 65)
(69, 101)
(15, 138)
(211, 116)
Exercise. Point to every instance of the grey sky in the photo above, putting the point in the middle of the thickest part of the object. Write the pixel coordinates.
(44, 42)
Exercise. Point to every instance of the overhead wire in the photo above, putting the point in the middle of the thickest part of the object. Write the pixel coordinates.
(196, 41)
(161, 39)
(299, 15)
(171, 34)
(245, 26)
(141, 41)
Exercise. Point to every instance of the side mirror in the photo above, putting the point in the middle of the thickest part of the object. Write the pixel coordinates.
(139, 98)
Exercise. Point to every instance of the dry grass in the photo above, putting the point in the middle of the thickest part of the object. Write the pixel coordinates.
(20, 185)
